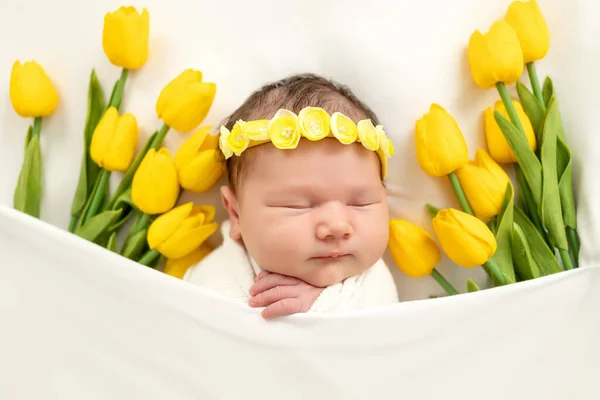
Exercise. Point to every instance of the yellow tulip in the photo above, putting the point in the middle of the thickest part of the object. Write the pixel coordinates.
(114, 141)
(441, 147)
(465, 239)
(179, 267)
(180, 231)
(125, 37)
(198, 163)
(527, 20)
(484, 183)
(412, 248)
(496, 142)
(31, 91)
(185, 101)
(495, 56)
(154, 189)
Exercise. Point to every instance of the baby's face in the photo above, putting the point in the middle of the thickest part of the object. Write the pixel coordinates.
(318, 213)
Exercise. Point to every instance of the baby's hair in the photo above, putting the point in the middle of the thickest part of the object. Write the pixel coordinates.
(294, 93)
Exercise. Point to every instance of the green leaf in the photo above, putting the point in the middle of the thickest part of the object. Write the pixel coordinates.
(565, 184)
(543, 256)
(128, 177)
(28, 192)
(524, 155)
(135, 245)
(112, 243)
(28, 136)
(532, 107)
(547, 90)
(524, 263)
(97, 225)
(89, 169)
(503, 254)
(472, 286)
(550, 205)
(530, 206)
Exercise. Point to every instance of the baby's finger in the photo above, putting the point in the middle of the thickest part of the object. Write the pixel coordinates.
(273, 295)
(261, 275)
(282, 308)
(271, 281)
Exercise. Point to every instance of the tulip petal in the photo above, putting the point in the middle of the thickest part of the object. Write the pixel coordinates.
(165, 225)
(184, 241)
(201, 174)
(465, 239)
(414, 251)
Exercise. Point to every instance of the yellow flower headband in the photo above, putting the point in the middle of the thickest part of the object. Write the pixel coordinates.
(285, 129)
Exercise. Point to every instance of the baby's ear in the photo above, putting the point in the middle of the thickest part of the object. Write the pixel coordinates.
(231, 205)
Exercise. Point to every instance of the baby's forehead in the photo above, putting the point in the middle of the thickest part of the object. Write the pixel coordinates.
(322, 160)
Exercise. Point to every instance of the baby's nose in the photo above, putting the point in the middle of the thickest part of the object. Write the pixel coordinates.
(334, 230)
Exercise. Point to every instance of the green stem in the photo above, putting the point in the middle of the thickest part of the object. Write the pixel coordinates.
(495, 270)
(99, 196)
(433, 210)
(444, 282)
(158, 140)
(37, 127)
(566, 259)
(574, 245)
(510, 109)
(117, 95)
(141, 224)
(460, 194)
(535, 83)
(150, 255)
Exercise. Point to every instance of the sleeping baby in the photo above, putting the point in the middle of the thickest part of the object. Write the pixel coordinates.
(307, 206)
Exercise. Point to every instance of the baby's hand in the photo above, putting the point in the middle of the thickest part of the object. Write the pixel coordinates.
(282, 295)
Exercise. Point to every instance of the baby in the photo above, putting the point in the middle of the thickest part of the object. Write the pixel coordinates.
(308, 214)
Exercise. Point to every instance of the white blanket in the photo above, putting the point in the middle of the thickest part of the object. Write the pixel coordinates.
(230, 271)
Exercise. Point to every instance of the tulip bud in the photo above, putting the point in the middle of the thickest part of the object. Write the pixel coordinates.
(179, 267)
(496, 141)
(528, 22)
(465, 239)
(125, 37)
(484, 183)
(180, 231)
(495, 56)
(412, 248)
(185, 101)
(155, 188)
(441, 147)
(114, 141)
(198, 163)
(31, 91)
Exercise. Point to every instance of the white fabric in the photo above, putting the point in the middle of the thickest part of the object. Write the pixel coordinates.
(79, 322)
(230, 271)
(92, 325)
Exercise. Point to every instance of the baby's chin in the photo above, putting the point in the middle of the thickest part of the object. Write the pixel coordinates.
(328, 273)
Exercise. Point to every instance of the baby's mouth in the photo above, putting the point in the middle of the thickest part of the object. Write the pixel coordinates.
(331, 256)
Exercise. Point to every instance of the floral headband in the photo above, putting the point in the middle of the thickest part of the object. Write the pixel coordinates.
(285, 129)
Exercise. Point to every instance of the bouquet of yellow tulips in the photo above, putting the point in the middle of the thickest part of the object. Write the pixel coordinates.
(513, 240)
(152, 180)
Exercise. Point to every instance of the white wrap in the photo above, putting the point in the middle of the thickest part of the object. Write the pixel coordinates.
(229, 271)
